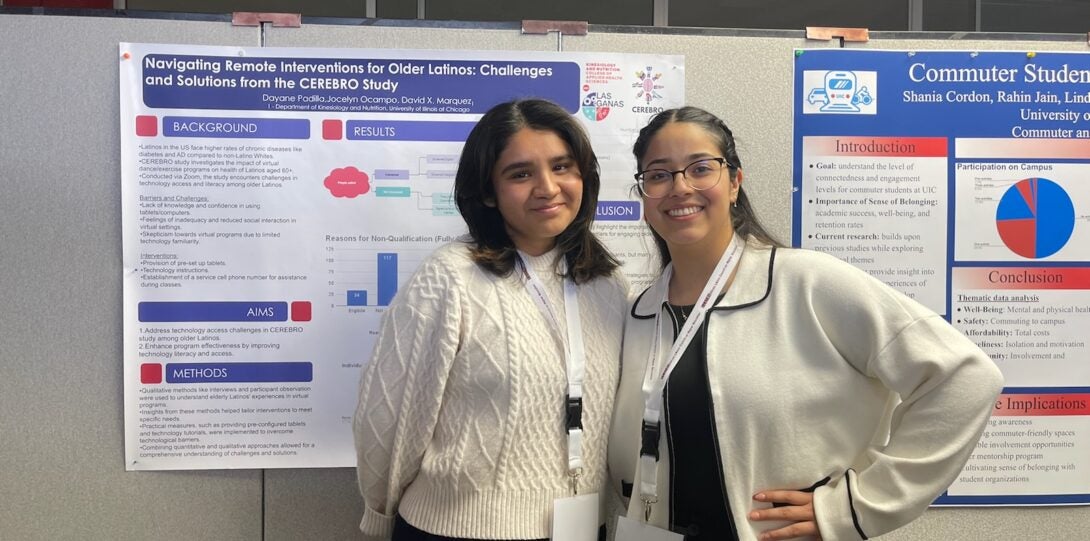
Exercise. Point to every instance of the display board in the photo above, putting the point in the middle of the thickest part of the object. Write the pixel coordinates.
(275, 199)
(959, 178)
(61, 374)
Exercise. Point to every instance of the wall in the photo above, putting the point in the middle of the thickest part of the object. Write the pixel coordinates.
(61, 434)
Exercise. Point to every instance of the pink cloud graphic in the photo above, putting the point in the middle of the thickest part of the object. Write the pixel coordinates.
(347, 182)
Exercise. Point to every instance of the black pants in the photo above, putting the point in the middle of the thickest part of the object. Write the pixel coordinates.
(403, 531)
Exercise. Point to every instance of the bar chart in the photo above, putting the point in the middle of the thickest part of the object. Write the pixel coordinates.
(386, 283)
(368, 277)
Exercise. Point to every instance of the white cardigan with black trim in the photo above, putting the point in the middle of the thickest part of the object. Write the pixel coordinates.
(820, 376)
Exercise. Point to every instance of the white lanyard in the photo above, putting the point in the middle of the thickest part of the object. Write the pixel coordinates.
(575, 359)
(657, 373)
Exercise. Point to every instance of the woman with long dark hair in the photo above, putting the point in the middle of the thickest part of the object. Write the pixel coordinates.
(775, 393)
(484, 411)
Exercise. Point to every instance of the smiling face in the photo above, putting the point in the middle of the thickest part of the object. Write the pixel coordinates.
(538, 189)
(690, 221)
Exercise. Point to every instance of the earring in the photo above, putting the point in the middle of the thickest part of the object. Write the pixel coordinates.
(735, 204)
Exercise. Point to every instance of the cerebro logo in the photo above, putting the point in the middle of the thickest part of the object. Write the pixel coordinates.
(596, 105)
(647, 83)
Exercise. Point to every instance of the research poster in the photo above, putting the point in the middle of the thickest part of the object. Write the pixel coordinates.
(273, 200)
(963, 180)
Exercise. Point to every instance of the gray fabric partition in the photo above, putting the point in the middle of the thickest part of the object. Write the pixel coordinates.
(61, 434)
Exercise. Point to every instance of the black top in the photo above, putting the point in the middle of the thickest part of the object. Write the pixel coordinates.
(698, 504)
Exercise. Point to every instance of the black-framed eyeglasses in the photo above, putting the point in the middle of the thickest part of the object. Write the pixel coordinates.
(700, 175)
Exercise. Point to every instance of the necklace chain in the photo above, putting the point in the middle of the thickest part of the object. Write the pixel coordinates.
(681, 313)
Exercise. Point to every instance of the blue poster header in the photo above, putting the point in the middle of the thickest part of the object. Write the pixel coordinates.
(275, 372)
(352, 85)
(407, 130)
(994, 94)
(206, 311)
(236, 128)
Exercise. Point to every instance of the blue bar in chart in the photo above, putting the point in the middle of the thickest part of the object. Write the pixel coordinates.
(387, 278)
(357, 298)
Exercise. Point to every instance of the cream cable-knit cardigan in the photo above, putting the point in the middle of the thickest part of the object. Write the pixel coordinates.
(460, 426)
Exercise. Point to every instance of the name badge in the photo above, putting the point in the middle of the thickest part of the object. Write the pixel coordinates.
(634, 530)
(576, 518)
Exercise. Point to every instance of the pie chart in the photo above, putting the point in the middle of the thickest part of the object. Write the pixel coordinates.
(1035, 218)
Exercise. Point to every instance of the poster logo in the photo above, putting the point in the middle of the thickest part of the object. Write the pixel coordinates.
(648, 83)
(597, 105)
(840, 92)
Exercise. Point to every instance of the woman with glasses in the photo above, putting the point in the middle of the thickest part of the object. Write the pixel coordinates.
(484, 411)
(775, 393)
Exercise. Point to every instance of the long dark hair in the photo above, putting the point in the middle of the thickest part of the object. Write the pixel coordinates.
(492, 247)
(743, 218)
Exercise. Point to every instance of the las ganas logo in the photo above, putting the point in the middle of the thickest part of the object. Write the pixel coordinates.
(596, 105)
